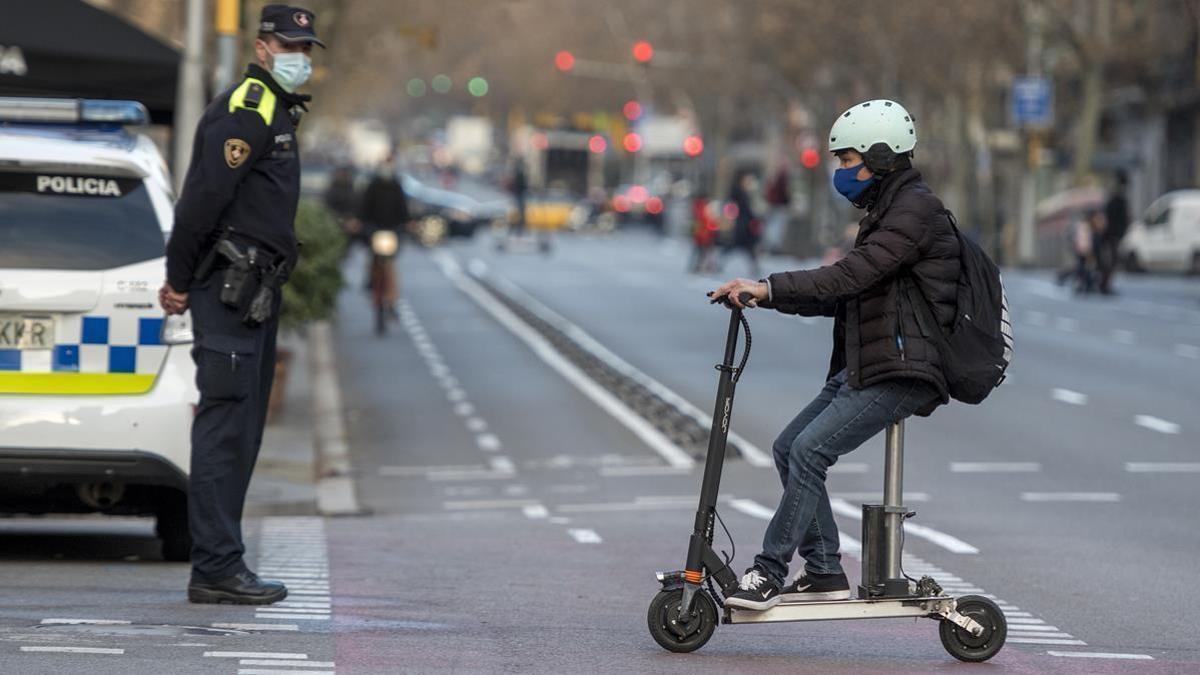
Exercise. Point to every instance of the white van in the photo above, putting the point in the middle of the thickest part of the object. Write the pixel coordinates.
(1167, 238)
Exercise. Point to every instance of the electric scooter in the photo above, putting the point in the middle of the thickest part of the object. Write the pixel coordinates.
(684, 614)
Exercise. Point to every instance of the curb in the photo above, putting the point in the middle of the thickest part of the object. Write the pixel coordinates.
(334, 482)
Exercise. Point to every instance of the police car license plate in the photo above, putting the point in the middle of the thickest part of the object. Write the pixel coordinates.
(26, 332)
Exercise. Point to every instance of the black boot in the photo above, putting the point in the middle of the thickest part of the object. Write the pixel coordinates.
(244, 588)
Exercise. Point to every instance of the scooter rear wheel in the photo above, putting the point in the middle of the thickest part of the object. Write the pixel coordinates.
(680, 634)
(966, 647)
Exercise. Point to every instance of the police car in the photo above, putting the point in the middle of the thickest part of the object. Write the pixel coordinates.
(96, 385)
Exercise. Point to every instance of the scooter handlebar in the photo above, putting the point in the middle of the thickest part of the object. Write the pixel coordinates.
(744, 298)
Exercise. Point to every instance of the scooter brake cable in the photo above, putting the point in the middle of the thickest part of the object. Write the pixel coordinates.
(737, 374)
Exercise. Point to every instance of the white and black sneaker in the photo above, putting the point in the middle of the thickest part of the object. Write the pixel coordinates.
(811, 587)
(756, 591)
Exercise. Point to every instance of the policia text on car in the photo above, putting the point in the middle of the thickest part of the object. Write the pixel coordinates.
(228, 256)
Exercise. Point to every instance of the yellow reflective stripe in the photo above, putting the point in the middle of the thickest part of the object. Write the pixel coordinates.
(75, 383)
(266, 107)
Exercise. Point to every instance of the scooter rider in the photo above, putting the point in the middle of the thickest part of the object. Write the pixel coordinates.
(884, 366)
(230, 252)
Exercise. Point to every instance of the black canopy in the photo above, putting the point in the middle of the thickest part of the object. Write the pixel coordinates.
(72, 49)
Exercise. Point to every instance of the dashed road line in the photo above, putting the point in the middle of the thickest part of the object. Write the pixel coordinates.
(82, 622)
(1069, 396)
(1102, 655)
(1156, 424)
(287, 662)
(72, 650)
(585, 536)
(488, 442)
(535, 511)
(256, 655)
(1187, 351)
(1162, 467)
(1070, 497)
(993, 467)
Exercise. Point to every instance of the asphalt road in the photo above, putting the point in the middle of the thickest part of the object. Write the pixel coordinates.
(517, 517)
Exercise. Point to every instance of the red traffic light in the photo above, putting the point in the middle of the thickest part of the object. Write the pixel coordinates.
(597, 144)
(564, 61)
(693, 145)
(632, 142)
(810, 158)
(643, 51)
(632, 110)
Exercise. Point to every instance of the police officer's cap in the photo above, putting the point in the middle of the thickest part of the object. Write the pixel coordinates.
(289, 24)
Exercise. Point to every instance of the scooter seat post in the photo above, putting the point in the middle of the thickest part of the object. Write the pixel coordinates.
(893, 496)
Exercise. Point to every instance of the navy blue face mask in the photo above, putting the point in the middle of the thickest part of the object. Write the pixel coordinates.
(846, 182)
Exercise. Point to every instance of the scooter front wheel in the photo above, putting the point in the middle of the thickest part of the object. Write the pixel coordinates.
(677, 633)
(966, 647)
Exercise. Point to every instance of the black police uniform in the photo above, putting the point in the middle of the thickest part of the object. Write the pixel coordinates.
(243, 183)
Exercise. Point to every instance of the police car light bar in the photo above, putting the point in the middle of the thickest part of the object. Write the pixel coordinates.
(71, 111)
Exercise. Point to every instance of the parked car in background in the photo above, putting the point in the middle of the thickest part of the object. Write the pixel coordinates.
(1167, 237)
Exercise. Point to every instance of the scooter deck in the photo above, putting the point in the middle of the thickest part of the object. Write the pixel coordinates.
(827, 610)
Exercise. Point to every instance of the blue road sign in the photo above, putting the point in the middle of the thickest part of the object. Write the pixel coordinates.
(1032, 102)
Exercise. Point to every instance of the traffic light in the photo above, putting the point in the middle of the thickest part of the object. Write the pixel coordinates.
(693, 145)
(632, 142)
(597, 144)
(564, 61)
(810, 158)
(643, 51)
(632, 110)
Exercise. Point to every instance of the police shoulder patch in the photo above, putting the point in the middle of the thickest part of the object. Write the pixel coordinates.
(236, 152)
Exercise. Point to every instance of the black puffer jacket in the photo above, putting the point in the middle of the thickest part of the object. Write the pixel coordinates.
(905, 238)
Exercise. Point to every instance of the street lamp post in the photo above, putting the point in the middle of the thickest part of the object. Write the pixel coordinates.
(189, 95)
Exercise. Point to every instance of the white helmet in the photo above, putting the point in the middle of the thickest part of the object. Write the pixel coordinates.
(878, 121)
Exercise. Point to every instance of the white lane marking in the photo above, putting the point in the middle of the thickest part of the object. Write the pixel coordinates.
(1013, 633)
(1156, 424)
(1162, 467)
(488, 442)
(257, 655)
(1066, 324)
(611, 471)
(399, 471)
(1102, 655)
(258, 626)
(286, 662)
(672, 453)
(73, 650)
(946, 541)
(877, 497)
(77, 622)
(294, 617)
(993, 467)
(850, 467)
(276, 671)
(1187, 351)
(753, 455)
(305, 605)
(535, 511)
(1070, 497)
(1045, 641)
(503, 464)
(477, 504)
(1032, 628)
(455, 395)
(476, 424)
(756, 510)
(1125, 337)
(464, 409)
(291, 610)
(585, 536)
(1068, 396)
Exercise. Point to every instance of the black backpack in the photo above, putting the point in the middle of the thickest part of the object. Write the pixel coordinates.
(979, 346)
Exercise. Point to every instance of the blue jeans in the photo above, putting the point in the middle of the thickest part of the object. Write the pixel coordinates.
(839, 420)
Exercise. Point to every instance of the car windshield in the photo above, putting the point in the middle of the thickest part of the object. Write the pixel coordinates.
(75, 221)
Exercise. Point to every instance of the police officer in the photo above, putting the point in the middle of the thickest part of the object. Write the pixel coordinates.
(230, 251)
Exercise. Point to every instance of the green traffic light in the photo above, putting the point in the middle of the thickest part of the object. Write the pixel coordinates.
(416, 87)
(478, 86)
(442, 83)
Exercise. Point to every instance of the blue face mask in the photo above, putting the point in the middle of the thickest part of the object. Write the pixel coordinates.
(291, 70)
(846, 182)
